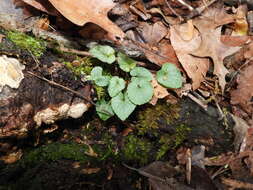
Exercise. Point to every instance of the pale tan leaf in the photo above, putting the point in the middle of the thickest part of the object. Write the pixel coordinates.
(42, 5)
(159, 92)
(195, 67)
(209, 27)
(211, 46)
(81, 12)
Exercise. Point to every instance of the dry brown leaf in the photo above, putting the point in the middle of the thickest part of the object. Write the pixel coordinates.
(249, 52)
(153, 34)
(42, 5)
(234, 40)
(244, 92)
(81, 12)
(11, 157)
(241, 25)
(162, 54)
(90, 170)
(209, 26)
(159, 92)
(195, 67)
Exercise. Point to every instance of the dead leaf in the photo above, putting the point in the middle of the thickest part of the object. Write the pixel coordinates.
(90, 170)
(42, 5)
(159, 92)
(153, 34)
(81, 12)
(157, 172)
(195, 67)
(161, 54)
(12, 157)
(240, 130)
(209, 26)
(243, 94)
(91, 152)
(234, 40)
(126, 131)
(249, 52)
(241, 25)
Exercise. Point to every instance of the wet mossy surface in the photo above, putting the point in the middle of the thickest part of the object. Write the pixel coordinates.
(35, 46)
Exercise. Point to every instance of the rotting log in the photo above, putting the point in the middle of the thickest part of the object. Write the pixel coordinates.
(27, 100)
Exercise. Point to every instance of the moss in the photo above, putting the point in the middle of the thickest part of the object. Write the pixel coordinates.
(23, 41)
(172, 141)
(149, 119)
(81, 66)
(56, 151)
(83, 69)
(136, 149)
(163, 115)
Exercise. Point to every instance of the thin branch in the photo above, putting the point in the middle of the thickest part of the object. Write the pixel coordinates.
(199, 10)
(185, 4)
(173, 11)
(63, 87)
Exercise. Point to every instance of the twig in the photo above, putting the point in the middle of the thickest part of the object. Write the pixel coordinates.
(63, 87)
(146, 174)
(199, 102)
(199, 10)
(236, 184)
(77, 52)
(185, 4)
(173, 11)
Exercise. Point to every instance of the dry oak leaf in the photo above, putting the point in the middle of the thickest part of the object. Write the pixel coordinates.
(42, 5)
(209, 26)
(160, 54)
(153, 34)
(244, 92)
(81, 12)
(195, 67)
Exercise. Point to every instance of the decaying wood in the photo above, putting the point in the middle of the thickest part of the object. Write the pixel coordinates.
(36, 101)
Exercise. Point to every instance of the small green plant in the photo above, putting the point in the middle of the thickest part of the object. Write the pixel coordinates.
(169, 76)
(103, 53)
(126, 95)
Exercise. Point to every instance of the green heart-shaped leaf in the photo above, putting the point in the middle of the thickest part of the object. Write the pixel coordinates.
(103, 53)
(95, 73)
(122, 106)
(140, 91)
(102, 81)
(116, 85)
(125, 62)
(169, 76)
(141, 73)
(99, 79)
(104, 110)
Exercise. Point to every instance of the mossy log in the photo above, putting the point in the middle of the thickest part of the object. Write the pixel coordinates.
(28, 98)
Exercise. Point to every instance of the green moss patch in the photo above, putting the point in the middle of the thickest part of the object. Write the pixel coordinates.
(56, 151)
(136, 149)
(31, 44)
